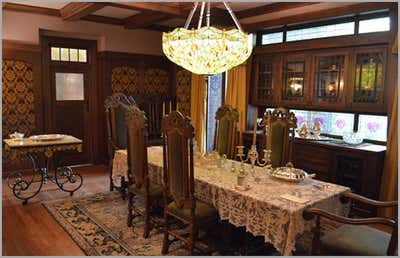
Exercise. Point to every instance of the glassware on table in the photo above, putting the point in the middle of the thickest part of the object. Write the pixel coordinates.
(17, 136)
(353, 138)
(233, 167)
(222, 162)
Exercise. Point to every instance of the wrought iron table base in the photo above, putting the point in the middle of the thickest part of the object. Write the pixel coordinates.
(64, 177)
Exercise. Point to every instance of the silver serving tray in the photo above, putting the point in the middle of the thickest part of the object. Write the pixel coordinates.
(290, 174)
(47, 137)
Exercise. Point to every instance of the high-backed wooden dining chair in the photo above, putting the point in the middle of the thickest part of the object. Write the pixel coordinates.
(355, 236)
(152, 106)
(282, 124)
(139, 183)
(225, 137)
(178, 181)
(116, 106)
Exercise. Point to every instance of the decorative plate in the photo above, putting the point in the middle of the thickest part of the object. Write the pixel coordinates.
(47, 137)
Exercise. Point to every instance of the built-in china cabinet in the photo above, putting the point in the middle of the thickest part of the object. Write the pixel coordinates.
(346, 79)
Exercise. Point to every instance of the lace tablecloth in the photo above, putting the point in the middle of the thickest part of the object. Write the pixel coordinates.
(263, 209)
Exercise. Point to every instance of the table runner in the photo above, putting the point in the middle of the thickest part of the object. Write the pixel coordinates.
(261, 210)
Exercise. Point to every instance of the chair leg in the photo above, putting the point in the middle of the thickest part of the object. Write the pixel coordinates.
(146, 218)
(130, 207)
(193, 234)
(111, 180)
(166, 240)
(124, 188)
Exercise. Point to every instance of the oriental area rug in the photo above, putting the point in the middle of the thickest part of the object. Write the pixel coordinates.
(98, 225)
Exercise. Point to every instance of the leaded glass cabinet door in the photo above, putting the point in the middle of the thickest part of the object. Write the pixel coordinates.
(369, 78)
(330, 79)
(295, 87)
(264, 85)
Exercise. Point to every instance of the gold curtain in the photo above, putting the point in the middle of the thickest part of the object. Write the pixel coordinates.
(236, 93)
(389, 177)
(197, 109)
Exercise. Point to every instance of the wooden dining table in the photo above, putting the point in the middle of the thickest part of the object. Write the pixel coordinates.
(270, 207)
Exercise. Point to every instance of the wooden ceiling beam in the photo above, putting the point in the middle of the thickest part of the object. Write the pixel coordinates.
(30, 9)
(103, 19)
(154, 7)
(327, 13)
(76, 10)
(272, 8)
(161, 28)
(144, 19)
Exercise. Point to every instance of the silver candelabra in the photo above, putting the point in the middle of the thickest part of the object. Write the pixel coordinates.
(253, 157)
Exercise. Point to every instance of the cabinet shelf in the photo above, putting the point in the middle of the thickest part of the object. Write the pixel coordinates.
(345, 79)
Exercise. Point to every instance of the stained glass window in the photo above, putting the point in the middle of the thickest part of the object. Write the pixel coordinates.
(331, 123)
(73, 54)
(374, 25)
(82, 55)
(214, 101)
(68, 54)
(325, 31)
(64, 54)
(272, 38)
(55, 53)
(373, 127)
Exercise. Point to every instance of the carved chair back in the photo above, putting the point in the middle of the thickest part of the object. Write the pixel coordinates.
(137, 147)
(116, 106)
(225, 137)
(178, 183)
(153, 107)
(283, 124)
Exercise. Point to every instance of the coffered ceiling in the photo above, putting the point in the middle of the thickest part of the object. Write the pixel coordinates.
(165, 16)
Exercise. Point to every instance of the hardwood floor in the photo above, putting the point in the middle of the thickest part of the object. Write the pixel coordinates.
(31, 230)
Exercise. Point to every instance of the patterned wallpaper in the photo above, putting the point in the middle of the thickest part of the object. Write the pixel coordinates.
(18, 107)
(155, 82)
(124, 79)
(183, 86)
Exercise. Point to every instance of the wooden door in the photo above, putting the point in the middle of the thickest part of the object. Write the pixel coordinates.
(70, 98)
(70, 93)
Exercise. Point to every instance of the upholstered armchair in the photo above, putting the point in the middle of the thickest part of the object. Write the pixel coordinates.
(225, 137)
(178, 182)
(139, 183)
(116, 106)
(355, 236)
(283, 124)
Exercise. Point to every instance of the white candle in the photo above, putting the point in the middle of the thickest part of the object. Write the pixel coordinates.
(268, 145)
(255, 127)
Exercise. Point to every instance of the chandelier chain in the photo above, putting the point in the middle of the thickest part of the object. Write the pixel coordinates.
(201, 15)
(189, 18)
(233, 16)
(208, 15)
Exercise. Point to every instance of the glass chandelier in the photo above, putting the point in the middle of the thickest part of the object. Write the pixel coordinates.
(207, 50)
